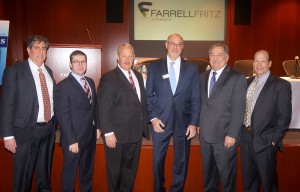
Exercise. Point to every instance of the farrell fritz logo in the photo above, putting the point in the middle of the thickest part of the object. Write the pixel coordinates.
(142, 9)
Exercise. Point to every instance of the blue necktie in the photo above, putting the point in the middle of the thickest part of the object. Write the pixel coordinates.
(172, 77)
(212, 81)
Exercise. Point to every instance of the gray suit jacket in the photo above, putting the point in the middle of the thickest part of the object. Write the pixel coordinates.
(223, 112)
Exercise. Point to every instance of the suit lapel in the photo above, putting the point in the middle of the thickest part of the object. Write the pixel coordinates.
(262, 93)
(30, 79)
(126, 82)
(181, 77)
(206, 82)
(77, 85)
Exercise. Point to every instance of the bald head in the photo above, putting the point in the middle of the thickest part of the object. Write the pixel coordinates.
(262, 62)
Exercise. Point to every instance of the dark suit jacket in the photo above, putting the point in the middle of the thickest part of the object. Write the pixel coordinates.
(272, 113)
(19, 102)
(77, 118)
(223, 112)
(181, 109)
(120, 110)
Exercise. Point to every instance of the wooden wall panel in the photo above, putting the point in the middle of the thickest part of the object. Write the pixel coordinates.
(288, 170)
(274, 26)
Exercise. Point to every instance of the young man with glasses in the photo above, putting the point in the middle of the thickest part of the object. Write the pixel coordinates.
(77, 113)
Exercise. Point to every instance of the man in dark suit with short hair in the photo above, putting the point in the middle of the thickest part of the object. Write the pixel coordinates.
(76, 109)
(267, 118)
(123, 122)
(26, 117)
(173, 92)
(223, 102)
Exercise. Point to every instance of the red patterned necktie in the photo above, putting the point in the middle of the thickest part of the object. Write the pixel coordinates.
(87, 89)
(131, 80)
(45, 94)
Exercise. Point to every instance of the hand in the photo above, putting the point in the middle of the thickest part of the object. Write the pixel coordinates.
(111, 141)
(191, 131)
(273, 143)
(98, 134)
(74, 148)
(229, 141)
(157, 123)
(10, 145)
(198, 130)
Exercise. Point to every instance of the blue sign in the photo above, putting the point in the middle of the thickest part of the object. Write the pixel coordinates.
(3, 41)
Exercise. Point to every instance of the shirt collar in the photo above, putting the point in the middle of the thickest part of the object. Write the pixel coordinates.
(34, 67)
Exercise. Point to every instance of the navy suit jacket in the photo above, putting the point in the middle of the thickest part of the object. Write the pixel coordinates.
(271, 114)
(19, 102)
(181, 109)
(78, 119)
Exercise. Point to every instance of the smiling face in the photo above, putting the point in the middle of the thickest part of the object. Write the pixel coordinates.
(38, 52)
(174, 46)
(218, 57)
(261, 63)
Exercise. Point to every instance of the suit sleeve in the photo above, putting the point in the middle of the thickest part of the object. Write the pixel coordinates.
(63, 113)
(106, 95)
(195, 98)
(238, 107)
(7, 102)
(150, 91)
(284, 111)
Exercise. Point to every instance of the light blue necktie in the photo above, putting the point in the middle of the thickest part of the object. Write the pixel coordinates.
(212, 81)
(172, 77)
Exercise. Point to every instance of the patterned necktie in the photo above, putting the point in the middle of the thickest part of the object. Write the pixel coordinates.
(131, 80)
(172, 77)
(249, 103)
(45, 95)
(212, 81)
(87, 89)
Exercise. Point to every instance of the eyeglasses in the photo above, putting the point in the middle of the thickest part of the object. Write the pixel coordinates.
(173, 44)
(76, 62)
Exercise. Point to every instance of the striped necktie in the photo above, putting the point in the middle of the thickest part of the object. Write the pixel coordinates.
(87, 89)
(212, 81)
(131, 81)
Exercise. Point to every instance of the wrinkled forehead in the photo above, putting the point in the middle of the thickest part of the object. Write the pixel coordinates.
(175, 38)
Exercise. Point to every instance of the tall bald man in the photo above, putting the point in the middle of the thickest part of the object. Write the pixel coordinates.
(173, 92)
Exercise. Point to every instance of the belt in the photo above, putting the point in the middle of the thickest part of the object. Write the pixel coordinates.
(248, 129)
(44, 123)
